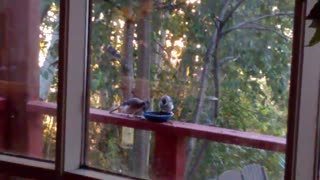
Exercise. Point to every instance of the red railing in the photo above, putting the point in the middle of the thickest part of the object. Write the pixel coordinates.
(177, 128)
(170, 162)
(170, 137)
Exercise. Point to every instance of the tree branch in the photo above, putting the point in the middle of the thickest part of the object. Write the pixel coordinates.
(228, 59)
(215, 35)
(230, 13)
(256, 19)
(168, 6)
(264, 28)
(162, 53)
(199, 154)
(212, 50)
(220, 18)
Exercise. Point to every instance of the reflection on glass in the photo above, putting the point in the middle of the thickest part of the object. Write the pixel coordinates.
(224, 63)
(111, 147)
(220, 158)
(28, 76)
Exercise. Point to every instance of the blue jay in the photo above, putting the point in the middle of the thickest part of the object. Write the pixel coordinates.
(112, 51)
(166, 104)
(132, 106)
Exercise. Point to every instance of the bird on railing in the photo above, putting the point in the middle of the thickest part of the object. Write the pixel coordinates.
(113, 52)
(166, 104)
(133, 106)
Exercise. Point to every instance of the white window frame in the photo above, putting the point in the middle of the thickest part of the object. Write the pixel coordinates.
(73, 96)
(303, 122)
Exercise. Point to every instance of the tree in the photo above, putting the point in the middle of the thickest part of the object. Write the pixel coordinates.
(141, 146)
(50, 49)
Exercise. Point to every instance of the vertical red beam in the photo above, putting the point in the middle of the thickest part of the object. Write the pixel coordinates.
(34, 124)
(169, 157)
(2, 124)
(19, 75)
(3, 77)
(3, 74)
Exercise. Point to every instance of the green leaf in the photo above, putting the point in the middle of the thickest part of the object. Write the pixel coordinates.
(315, 23)
(314, 12)
(315, 39)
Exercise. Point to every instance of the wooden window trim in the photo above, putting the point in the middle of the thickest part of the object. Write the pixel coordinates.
(302, 155)
(91, 174)
(72, 84)
(24, 167)
(295, 88)
(72, 100)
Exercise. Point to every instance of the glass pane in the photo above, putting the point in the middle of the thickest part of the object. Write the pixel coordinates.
(111, 149)
(28, 61)
(223, 63)
(217, 158)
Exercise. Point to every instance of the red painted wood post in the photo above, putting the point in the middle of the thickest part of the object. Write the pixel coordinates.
(3, 142)
(20, 75)
(169, 156)
(3, 74)
(3, 120)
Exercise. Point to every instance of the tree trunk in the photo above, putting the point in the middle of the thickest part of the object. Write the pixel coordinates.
(127, 76)
(127, 79)
(141, 146)
(201, 97)
(212, 50)
(127, 82)
(49, 69)
(158, 54)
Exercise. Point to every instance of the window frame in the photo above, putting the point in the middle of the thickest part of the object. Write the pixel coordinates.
(302, 155)
(73, 46)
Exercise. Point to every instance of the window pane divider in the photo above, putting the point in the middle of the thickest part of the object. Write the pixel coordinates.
(72, 85)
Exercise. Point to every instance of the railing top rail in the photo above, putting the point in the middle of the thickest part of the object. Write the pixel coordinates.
(177, 128)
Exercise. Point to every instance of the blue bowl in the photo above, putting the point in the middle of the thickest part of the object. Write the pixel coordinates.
(157, 116)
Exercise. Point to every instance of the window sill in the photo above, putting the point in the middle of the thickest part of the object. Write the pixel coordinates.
(90, 174)
(28, 168)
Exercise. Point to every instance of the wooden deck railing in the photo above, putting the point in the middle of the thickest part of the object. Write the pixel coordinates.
(178, 128)
(170, 137)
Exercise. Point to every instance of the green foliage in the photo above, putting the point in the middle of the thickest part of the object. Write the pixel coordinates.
(316, 37)
(228, 157)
